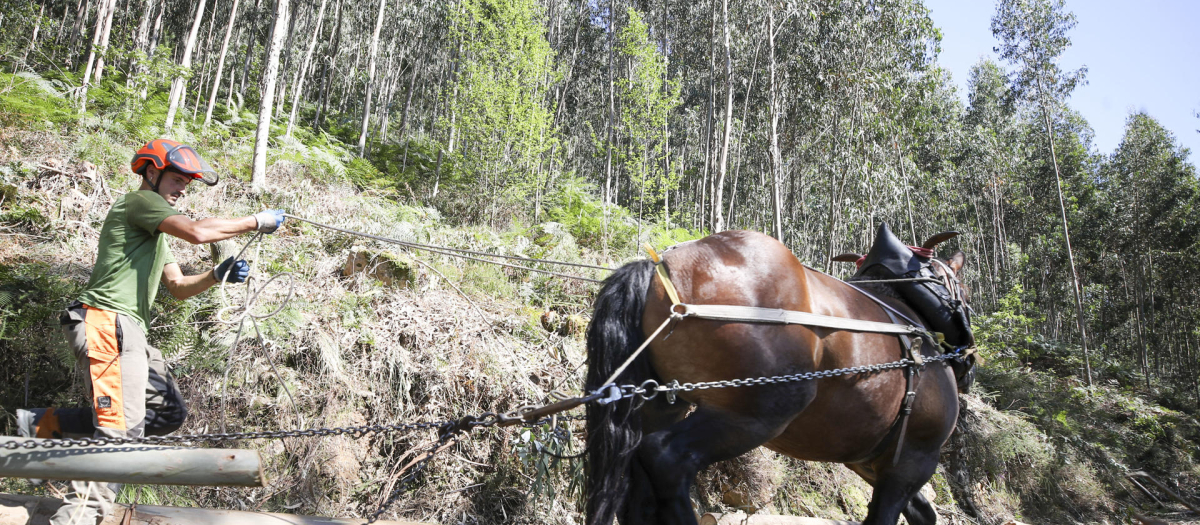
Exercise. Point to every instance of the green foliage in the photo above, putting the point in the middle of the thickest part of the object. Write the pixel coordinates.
(647, 101)
(503, 118)
(28, 101)
(662, 236)
(533, 447)
(32, 295)
(575, 204)
(1033, 34)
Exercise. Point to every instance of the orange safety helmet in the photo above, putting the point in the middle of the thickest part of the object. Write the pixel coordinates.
(168, 154)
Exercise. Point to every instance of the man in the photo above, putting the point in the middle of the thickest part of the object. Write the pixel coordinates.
(132, 393)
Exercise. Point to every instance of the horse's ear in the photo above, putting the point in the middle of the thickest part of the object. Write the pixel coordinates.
(847, 257)
(937, 239)
(957, 261)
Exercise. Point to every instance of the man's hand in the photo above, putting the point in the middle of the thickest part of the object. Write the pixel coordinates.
(269, 220)
(232, 271)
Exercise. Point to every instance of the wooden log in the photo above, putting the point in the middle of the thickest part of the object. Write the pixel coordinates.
(32, 510)
(1164, 488)
(738, 518)
(142, 464)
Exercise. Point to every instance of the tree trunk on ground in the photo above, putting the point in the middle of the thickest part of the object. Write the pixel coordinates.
(366, 115)
(298, 80)
(719, 186)
(216, 85)
(258, 176)
(178, 85)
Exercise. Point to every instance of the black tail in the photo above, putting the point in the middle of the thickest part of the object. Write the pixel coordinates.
(613, 431)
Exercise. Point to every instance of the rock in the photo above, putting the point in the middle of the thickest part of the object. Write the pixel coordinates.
(388, 268)
(551, 321)
(74, 204)
(572, 325)
(548, 234)
(87, 170)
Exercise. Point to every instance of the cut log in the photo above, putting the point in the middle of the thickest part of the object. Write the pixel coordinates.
(20, 510)
(143, 464)
(738, 518)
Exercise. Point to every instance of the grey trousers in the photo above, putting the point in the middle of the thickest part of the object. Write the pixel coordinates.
(132, 394)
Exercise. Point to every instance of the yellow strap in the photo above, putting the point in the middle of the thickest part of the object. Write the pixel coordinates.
(650, 251)
(661, 270)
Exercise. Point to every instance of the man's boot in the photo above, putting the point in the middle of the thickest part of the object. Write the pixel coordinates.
(28, 427)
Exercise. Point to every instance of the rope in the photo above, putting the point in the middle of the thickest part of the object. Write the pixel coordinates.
(245, 311)
(637, 352)
(466, 254)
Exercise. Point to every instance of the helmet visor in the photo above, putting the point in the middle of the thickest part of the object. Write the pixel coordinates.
(185, 160)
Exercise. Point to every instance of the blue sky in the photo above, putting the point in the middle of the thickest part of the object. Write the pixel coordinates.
(1142, 55)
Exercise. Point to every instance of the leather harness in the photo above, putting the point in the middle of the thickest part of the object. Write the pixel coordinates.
(750, 314)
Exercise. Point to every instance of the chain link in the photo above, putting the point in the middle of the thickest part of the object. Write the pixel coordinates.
(488, 419)
(650, 388)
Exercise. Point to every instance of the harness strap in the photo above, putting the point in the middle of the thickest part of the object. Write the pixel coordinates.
(911, 380)
(754, 314)
(661, 269)
(664, 275)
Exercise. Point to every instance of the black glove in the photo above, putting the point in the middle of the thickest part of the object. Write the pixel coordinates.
(232, 271)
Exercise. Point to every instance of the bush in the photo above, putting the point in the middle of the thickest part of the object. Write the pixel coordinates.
(28, 101)
(575, 204)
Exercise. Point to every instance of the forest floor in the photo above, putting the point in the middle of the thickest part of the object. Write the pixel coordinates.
(424, 338)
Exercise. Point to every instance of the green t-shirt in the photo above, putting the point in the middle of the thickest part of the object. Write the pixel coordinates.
(132, 255)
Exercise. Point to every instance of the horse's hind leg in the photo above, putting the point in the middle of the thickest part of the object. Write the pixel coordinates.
(641, 507)
(673, 456)
(898, 488)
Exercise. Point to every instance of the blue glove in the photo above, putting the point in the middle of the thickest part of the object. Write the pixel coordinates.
(269, 220)
(232, 271)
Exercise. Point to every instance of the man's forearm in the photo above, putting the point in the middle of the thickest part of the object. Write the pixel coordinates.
(189, 285)
(215, 229)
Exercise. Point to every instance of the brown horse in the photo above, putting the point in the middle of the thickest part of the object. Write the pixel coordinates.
(643, 457)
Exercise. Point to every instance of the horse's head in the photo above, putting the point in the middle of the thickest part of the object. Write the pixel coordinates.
(940, 298)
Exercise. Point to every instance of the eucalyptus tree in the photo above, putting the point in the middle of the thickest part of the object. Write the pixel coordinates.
(366, 110)
(1149, 221)
(104, 13)
(719, 183)
(258, 175)
(500, 95)
(647, 101)
(179, 84)
(1033, 34)
(216, 85)
(302, 71)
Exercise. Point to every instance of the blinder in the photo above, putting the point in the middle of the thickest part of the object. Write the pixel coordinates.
(938, 298)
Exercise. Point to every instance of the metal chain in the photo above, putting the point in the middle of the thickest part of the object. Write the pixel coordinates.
(651, 388)
(488, 419)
